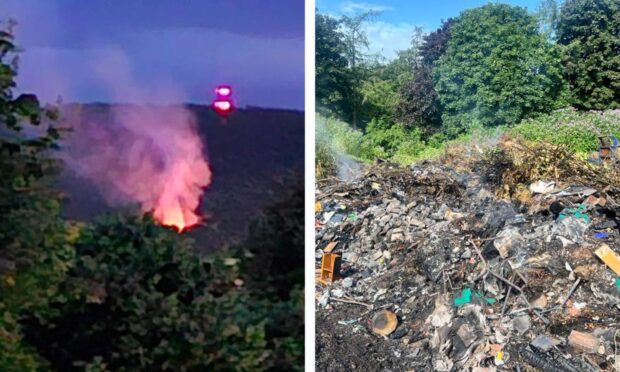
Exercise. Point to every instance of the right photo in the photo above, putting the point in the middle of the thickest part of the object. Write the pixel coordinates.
(467, 205)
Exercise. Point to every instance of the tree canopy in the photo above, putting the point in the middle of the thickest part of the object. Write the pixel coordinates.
(421, 107)
(496, 70)
(590, 32)
(333, 78)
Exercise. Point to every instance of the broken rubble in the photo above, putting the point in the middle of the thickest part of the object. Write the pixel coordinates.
(425, 234)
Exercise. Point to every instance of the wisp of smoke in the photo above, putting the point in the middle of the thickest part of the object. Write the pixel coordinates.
(346, 167)
(151, 155)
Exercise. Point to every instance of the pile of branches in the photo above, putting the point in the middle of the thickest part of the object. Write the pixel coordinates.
(516, 163)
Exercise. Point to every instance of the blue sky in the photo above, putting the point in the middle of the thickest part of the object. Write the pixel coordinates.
(87, 51)
(393, 29)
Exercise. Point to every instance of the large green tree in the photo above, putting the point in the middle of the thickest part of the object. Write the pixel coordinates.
(356, 41)
(34, 239)
(496, 70)
(333, 77)
(590, 30)
(421, 106)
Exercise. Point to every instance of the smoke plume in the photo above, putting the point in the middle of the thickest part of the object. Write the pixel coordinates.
(145, 154)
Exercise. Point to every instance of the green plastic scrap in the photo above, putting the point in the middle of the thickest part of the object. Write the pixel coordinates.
(489, 300)
(466, 298)
(618, 284)
(579, 212)
(352, 216)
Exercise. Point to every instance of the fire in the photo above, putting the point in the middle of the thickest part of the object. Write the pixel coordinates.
(180, 195)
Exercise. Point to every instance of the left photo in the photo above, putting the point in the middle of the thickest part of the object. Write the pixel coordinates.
(152, 185)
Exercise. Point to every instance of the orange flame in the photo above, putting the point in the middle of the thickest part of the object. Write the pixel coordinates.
(180, 196)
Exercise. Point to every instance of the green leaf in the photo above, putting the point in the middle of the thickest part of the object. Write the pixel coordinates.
(28, 105)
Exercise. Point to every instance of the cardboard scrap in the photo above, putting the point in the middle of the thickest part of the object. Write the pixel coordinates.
(330, 247)
(609, 257)
(583, 341)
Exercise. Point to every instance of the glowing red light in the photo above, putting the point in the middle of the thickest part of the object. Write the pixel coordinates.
(223, 91)
(222, 106)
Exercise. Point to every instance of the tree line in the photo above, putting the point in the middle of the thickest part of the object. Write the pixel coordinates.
(488, 67)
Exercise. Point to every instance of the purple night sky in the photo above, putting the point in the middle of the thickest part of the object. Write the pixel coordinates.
(185, 46)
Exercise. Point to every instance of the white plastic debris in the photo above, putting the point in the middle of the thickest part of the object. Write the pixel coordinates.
(542, 187)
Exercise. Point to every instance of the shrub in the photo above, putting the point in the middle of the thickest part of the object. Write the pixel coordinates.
(575, 129)
(325, 160)
(334, 139)
(275, 276)
(139, 298)
(380, 98)
(343, 138)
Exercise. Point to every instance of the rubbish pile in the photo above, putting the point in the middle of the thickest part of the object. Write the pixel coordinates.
(445, 267)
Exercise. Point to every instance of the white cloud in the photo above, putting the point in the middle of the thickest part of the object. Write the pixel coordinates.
(387, 38)
(350, 7)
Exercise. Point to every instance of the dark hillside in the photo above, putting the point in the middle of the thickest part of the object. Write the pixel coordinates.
(253, 156)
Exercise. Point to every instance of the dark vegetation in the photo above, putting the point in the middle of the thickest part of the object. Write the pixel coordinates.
(122, 293)
(486, 69)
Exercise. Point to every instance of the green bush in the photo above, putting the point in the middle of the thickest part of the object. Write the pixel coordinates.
(140, 299)
(388, 138)
(333, 139)
(275, 276)
(380, 98)
(576, 129)
(342, 137)
(325, 159)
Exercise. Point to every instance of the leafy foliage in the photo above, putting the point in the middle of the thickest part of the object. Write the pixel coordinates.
(324, 158)
(421, 105)
(590, 32)
(275, 277)
(386, 140)
(34, 240)
(496, 70)
(380, 98)
(333, 140)
(435, 43)
(333, 79)
(343, 87)
(141, 299)
(577, 130)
